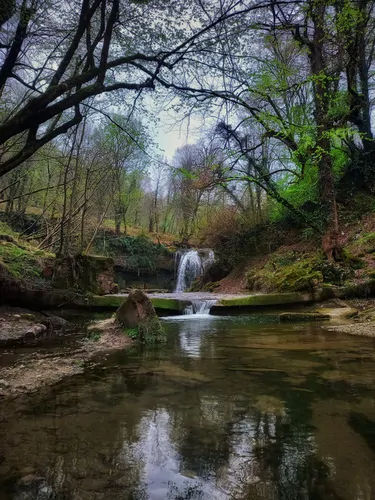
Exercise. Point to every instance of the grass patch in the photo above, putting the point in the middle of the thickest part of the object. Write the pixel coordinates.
(6, 229)
(132, 333)
(20, 262)
(151, 331)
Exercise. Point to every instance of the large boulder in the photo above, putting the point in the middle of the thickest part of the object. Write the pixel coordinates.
(137, 312)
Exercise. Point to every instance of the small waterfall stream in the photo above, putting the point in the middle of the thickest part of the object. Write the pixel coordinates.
(201, 307)
(189, 268)
(191, 264)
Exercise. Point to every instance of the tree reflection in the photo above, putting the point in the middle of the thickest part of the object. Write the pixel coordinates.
(224, 423)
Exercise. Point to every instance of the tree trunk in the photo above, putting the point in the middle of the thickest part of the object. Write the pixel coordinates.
(321, 78)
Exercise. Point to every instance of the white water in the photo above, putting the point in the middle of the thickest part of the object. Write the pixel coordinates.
(190, 267)
(201, 307)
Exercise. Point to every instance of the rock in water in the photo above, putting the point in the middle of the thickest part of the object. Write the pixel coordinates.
(138, 312)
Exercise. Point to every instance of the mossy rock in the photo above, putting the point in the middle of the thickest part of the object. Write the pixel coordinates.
(138, 312)
(161, 304)
(166, 304)
(211, 286)
(300, 316)
(270, 299)
(285, 275)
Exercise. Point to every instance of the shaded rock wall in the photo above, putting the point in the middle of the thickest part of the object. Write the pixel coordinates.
(161, 276)
(87, 272)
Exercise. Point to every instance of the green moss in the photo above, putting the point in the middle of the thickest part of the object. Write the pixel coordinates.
(151, 331)
(295, 271)
(286, 273)
(295, 316)
(20, 262)
(270, 299)
(132, 333)
(5, 229)
(169, 304)
(105, 301)
(353, 261)
(211, 286)
(140, 252)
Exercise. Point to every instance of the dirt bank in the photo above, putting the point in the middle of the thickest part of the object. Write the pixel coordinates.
(37, 369)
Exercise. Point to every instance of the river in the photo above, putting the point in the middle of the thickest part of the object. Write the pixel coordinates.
(231, 408)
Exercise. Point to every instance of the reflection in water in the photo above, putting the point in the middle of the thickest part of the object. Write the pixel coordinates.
(192, 329)
(229, 409)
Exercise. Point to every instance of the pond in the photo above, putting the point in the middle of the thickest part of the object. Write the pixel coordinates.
(230, 408)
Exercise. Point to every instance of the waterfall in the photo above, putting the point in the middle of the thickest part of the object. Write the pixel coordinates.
(191, 265)
(199, 307)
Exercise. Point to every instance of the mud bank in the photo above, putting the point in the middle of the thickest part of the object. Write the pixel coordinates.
(39, 369)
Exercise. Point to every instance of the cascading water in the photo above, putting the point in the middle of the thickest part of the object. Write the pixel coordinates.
(190, 267)
(201, 307)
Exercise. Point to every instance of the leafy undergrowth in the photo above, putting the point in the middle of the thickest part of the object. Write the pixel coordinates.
(303, 266)
(166, 239)
(21, 259)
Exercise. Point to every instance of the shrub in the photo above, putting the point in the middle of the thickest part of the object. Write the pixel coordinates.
(140, 251)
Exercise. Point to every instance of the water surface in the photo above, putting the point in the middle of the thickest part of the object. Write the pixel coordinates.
(230, 408)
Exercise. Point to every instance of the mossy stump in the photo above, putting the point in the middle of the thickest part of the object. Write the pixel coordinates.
(138, 312)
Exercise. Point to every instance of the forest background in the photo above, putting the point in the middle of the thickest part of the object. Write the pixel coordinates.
(281, 92)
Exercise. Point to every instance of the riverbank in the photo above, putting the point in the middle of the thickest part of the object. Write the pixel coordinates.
(29, 370)
(43, 367)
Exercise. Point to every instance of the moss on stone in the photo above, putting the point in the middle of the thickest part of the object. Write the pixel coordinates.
(298, 271)
(297, 316)
(270, 299)
(169, 304)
